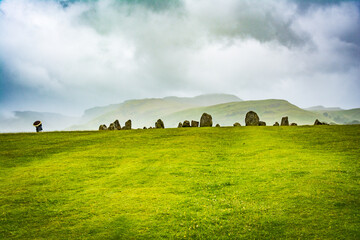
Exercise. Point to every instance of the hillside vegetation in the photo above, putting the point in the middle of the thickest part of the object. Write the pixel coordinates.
(144, 112)
(197, 183)
(270, 111)
(226, 109)
(341, 116)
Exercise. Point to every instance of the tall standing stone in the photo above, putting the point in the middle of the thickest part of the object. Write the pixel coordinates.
(111, 126)
(159, 124)
(206, 120)
(186, 124)
(128, 125)
(117, 125)
(285, 121)
(102, 127)
(251, 119)
(194, 123)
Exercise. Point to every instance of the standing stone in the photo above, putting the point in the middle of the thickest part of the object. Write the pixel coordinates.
(276, 124)
(252, 119)
(206, 120)
(111, 126)
(159, 124)
(180, 125)
(186, 124)
(237, 124)
(128, 125)
(261, 123)
(102, 127)
(217, 125)
(317, 122)
(117, 125)
(285, 121)
(144, 127)
(194, 123)
(293, 124)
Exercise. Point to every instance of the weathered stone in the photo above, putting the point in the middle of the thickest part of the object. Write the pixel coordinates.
(150, 127)
(206, 120)
(159, 124)
(217, 125)
(102, 127)
(127, 125)
(317, 122)
(237, 124)
(251, 119)
(111, 126)
(293, 124)
(186, 124)
(194, 123)
(276, 124)
(117, 125)
(261, 123)
(144, 127)
(285, 121)
(180, 125)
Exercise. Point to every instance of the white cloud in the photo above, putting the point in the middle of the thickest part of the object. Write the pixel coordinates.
(104, 52)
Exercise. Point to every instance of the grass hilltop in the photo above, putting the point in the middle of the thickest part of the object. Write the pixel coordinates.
(225, 109)
(197, 183)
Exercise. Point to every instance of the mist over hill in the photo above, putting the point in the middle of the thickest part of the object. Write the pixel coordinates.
(225, 109)
(322, 108)
(144, 112)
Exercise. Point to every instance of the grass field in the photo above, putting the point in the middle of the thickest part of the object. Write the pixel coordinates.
(197, 183)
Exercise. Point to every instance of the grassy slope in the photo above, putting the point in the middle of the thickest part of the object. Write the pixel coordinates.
(268, 110)
(142, 112)
(248, 182)
(342, 116)
(145, 112)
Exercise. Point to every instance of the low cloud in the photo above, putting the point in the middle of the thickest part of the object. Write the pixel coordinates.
(94, 53)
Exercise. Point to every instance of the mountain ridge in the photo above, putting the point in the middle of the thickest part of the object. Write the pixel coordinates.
(226, 109)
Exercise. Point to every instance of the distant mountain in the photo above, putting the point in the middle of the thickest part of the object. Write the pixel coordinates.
(322, 108)
(174, 110)
(205, 100)
(341, 116)
(268, 110)
(22, 121)
(144, 112)
(226, 110)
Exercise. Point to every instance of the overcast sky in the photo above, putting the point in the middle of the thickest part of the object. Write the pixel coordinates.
(65, 56)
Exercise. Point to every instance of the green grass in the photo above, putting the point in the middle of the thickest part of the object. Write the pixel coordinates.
(197, 183)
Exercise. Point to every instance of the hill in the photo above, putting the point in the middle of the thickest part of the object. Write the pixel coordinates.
(269, 111)
(197, 183)
(322, 108)
(144, 112)
(341, 116)
(206, 99)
